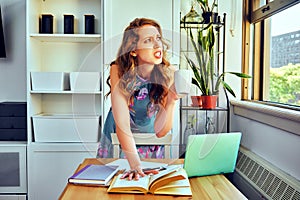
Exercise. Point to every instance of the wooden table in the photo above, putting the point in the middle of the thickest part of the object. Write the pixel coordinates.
(208, 187)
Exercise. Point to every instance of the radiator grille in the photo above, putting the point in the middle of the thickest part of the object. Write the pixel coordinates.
(272, 182)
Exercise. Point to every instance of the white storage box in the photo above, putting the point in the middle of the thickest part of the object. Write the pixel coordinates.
(50, 81)
(85, 81)
(66, 128)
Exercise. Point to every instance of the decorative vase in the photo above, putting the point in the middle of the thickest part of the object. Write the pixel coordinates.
(196, 101)
(209, 102)
(210, 17)
(69, 24)
(206, 17)
(89, 27)
(46, 24)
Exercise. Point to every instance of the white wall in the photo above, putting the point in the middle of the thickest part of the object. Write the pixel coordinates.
(262, 139)
(279, 147)
(13, 67)
(233, 50)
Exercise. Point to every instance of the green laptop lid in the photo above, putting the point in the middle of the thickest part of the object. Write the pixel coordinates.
(209, 154)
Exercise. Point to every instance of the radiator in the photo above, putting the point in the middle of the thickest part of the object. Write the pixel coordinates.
(269, 180)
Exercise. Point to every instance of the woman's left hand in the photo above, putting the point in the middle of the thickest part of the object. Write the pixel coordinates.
(172, 95)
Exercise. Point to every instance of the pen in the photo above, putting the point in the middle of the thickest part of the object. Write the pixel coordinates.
(155, 168)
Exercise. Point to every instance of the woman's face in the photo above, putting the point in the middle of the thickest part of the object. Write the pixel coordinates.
(149, 47)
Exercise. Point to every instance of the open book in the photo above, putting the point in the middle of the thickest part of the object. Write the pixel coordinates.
(171, 181)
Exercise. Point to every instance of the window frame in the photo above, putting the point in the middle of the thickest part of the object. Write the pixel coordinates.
(256, 15)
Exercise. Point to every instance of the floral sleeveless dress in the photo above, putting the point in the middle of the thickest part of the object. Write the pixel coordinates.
(142, 117)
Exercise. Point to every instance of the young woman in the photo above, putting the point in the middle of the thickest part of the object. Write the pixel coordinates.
(142, 94)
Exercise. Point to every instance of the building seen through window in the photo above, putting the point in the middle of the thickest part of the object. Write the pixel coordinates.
(285, 49)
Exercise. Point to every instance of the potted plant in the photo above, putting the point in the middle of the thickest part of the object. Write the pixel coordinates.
(205, 78)
(208, 13)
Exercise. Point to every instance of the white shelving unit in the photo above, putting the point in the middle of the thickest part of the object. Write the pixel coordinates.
(51, 160)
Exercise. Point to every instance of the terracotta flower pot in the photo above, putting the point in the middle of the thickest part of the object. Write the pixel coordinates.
(209, 102)
(196, 101)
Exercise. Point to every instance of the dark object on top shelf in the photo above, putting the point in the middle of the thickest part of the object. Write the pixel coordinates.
(69, 24)
(89, 27)
(46, 25)
(2, 44)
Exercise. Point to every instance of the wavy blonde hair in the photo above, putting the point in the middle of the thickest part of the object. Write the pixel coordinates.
(127, 64)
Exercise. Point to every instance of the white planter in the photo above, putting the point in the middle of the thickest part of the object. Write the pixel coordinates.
(85, 81)
(50, 81)
(65, 128)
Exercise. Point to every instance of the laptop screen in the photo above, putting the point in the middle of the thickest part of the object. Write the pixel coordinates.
(209, 154)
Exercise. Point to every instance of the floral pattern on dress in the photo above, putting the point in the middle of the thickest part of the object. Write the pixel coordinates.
(140, 108)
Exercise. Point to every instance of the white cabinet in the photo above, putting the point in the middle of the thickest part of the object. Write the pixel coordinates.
(64, 122)
(13, 174)
(51, 165)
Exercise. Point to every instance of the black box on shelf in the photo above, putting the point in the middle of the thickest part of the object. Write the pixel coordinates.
(13, 123)
(46, 24)
(89, 27)
(13, 109)
(13, 134)
(69, 24)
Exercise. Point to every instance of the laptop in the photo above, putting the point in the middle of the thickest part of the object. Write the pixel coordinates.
(209, 154)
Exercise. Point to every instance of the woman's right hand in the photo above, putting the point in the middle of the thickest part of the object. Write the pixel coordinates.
(137, 173)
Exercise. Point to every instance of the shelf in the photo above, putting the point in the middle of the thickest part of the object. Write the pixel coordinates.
(88, 38)
(200, 108)
(184, 25)
(13, 143)
(65, 92)
(192, 51)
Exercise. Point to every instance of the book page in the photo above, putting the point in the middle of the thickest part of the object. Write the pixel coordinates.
(169, 169)
(169, 179)
(175, 190)
(129, 186)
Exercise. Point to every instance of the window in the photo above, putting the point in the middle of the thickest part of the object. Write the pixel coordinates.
(272, 30)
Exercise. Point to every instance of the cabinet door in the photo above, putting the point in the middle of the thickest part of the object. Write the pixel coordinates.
(118, 14)
(50, 166)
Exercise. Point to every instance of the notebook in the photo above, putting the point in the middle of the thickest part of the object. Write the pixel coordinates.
(94, 175)
(209, 154)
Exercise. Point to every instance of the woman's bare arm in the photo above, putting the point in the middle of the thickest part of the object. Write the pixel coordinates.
(122, 119)
(164, 118)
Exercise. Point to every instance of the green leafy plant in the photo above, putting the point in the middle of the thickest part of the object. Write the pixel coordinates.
(205, 77)
(205, 6)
